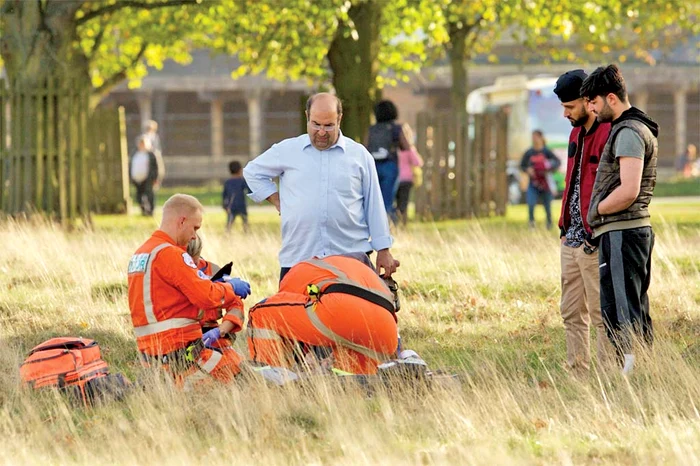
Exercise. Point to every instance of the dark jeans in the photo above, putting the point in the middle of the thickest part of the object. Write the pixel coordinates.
(145, 197)
(625, 274)
(388, 174)
(532, 196)
(231, 217)
(283, 272)
(402, 195)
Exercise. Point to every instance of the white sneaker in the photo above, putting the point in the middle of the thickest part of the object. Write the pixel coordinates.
(629, 364)
(411, 357)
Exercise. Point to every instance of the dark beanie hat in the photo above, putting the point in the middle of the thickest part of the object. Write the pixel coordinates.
(568, 86)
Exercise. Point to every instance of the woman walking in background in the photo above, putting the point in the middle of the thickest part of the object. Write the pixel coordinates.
(539, 162)
(410, 163)
(384, 141)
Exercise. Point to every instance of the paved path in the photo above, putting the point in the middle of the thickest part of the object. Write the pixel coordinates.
(676, 200)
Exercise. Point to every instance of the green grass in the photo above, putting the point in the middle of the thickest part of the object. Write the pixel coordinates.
(210, 194)
(680, 187)
(479, 298)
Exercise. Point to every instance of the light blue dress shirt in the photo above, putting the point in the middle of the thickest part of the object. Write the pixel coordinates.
(330, 200)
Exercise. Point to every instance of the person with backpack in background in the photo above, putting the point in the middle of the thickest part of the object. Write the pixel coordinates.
(384, 141)
(233, 197)
(409, 162)
(539, 162)
(144, 173)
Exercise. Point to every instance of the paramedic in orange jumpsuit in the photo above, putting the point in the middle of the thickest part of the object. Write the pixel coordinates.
(211, 316)
(337, 302)
(168, 296)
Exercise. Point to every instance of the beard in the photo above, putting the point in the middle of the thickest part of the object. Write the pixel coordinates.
(580, 121)
(606, 114)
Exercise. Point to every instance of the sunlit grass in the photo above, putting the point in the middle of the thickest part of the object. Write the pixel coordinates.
(479, 298)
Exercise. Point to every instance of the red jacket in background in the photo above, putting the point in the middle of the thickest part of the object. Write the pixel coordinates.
(585, 150)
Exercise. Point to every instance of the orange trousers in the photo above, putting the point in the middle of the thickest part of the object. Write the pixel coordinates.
(361, 335)
(222, 366)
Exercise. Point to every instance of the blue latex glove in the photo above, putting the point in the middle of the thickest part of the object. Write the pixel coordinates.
(240, 287)
(211, 336)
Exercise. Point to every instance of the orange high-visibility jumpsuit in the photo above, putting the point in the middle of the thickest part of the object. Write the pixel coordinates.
(167, 297)
(336, 302)
(211, 316)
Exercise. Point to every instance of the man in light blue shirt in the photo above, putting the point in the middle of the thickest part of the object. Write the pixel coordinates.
(329, 197)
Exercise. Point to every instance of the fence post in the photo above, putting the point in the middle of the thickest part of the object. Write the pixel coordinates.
(3, 146)
(124, 157)
(51, 147)
(85, 154)
(485, 158)
(16, 151)
(39, 163)
(501, 165)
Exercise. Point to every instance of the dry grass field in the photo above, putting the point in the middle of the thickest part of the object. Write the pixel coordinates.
(479, 298)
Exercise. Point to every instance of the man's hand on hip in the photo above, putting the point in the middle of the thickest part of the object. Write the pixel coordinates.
(386, 264)
(274, 199)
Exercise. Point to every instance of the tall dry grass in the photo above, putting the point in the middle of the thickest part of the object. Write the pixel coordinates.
(479, 299)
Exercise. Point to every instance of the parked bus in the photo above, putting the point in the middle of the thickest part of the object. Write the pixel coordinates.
(531, 104)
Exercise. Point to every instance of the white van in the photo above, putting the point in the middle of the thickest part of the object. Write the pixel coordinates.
(531, 105)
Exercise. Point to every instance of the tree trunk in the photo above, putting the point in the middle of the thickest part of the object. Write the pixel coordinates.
(457, 52)
(355, 66)
(39, 38)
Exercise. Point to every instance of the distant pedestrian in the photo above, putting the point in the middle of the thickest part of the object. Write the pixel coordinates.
(688, 162)
(619, 210)
(384, 141)
(143, 171)
(150, 132)
(539, 162)
(409, 162)
(234, 196)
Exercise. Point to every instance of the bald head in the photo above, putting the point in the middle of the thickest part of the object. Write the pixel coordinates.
(181, 204)
(323, 114)
(325, 100)
(182, 217)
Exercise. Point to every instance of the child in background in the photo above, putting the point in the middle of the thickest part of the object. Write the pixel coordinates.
(234, 196)
(409, 162)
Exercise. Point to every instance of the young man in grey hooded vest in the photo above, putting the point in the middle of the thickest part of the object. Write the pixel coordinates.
(619, 211)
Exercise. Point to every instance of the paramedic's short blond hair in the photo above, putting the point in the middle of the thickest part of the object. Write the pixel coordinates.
(181, 204)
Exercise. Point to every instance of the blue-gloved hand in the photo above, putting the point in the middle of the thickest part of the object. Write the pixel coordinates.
(211, 336)
(240, 287)
(224, 278)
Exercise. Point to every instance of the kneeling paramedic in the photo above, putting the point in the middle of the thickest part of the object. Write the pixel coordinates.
(168, 296)
(336, 302)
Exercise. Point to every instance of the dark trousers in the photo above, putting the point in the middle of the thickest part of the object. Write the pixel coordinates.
(402, 195)
(283, 272)
(145, 197)
(532, 196)
(625, 274)
(231, 217)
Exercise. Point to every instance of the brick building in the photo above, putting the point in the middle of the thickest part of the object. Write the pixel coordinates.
(207, 118)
